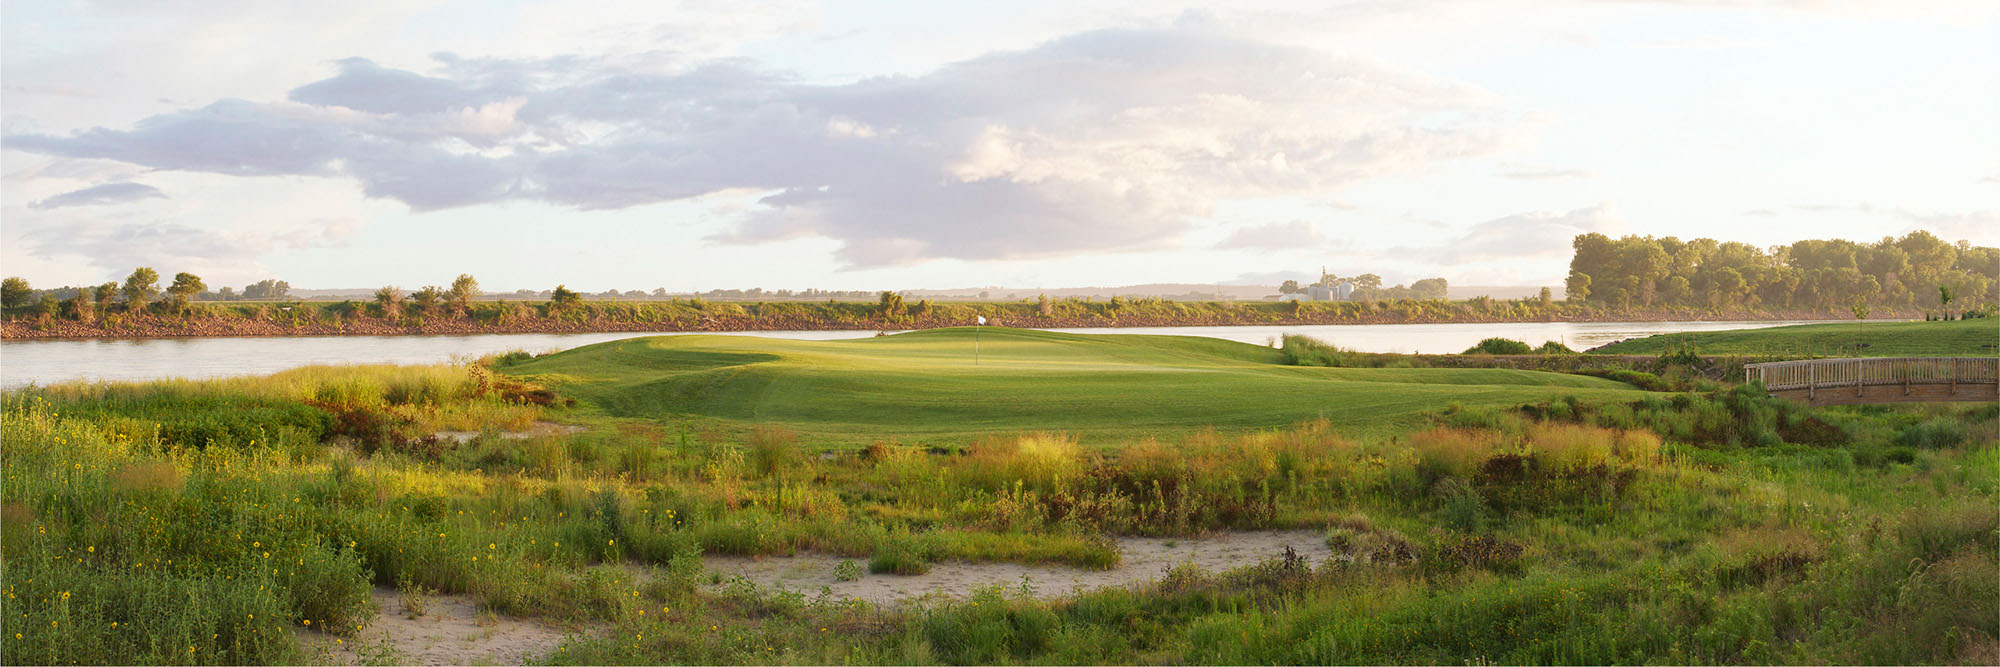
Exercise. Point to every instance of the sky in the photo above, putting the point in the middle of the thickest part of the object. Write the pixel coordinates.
(910, 145)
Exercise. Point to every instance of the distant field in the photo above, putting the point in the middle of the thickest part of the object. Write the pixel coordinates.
(926, 385)
(1961, 338)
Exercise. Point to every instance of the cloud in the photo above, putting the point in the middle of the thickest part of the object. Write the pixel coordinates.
(1272, 278)
(1100, 141)
(1297, 234)
(217, 256)
(1517, 237)
(1526, 172)
(98, 195)
(1761, 212)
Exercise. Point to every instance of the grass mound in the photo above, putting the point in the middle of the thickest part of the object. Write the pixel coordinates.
(962, 384)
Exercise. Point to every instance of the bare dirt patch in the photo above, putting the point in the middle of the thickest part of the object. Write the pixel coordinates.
(452, 631)
(1142, 560)
(539, 430)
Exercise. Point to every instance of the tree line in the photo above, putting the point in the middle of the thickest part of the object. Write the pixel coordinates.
(1368, 286)
(1916, 271)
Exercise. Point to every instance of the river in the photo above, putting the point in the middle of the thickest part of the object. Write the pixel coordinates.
(49, 361)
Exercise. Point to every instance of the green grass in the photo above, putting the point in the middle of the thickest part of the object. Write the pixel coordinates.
(927, 385)
(1958, 338)
(1645, 527)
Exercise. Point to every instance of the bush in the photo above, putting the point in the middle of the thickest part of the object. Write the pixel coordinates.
(1308, 351)
(1935, 433)
(1500, 346)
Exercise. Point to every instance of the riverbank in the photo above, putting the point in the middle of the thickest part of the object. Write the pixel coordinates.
(307, 319)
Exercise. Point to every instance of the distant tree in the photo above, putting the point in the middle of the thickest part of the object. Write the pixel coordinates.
(891, 306)
(428, 299)
(226, 294)
(1547, 297)
(270, 289)
(463, 289)
(1290, 287)
(15, 294)
(106, 294)
(390, 300)
(1429, 288)
(82, 307)
(659, 292)
(1368, 281)
(141, 288)
(1578, 286)
(563, 300)
(47, 307)
(185, 286)
(1044, 307)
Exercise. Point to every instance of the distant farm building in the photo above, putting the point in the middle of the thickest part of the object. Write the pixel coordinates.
(1340, 291)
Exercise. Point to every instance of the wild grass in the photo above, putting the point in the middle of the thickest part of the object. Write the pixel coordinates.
(1718, 527)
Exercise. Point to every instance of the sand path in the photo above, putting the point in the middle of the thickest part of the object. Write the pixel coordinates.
(1143, 559)
(452, 631)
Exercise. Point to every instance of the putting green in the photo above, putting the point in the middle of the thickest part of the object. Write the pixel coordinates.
(934, 386)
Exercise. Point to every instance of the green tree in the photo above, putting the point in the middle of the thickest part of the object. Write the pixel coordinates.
(185, 286)
(428, 299)
(267, 289)
(15, 294)
(82, 307)
(891, 306)
(1290, 287)
(1547, 297)
(462, 291)
(1578, 286)
(562, 300)
(1368, 281)
(390, 300)
(141, 288)
(106, 294)
(1430, 288)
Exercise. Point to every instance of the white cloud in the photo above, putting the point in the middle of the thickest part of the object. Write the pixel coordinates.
(1101, 141)
(1523, 236)
(1529, 172)
(99, 195)
(1294, 235)
(219, 257)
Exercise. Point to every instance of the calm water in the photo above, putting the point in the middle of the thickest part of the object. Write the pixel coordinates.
(45, 362)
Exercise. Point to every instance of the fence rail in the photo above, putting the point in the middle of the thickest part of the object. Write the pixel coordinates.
(1977, 375)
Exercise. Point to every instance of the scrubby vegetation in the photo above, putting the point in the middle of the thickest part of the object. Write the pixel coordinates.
(216, 522)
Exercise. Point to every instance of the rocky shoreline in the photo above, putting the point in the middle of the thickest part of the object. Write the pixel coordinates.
(150, 326)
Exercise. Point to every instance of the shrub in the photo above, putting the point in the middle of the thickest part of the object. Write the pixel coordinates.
(773, 450)
(1935, 433)
(1308, 351)
(1499, 346)
(1446, 452)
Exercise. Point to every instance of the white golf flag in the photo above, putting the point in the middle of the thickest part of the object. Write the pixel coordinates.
(982, 319)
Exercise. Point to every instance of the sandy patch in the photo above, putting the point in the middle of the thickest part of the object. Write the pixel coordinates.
(452, 631)
(539, 430)
(1143, 560)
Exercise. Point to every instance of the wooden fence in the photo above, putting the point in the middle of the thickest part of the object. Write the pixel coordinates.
(1880, 380)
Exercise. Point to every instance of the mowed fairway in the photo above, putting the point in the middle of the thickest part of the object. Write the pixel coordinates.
(926, 386)
(1957, 338)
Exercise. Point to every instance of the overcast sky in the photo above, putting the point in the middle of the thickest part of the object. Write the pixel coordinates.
(888, 145)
